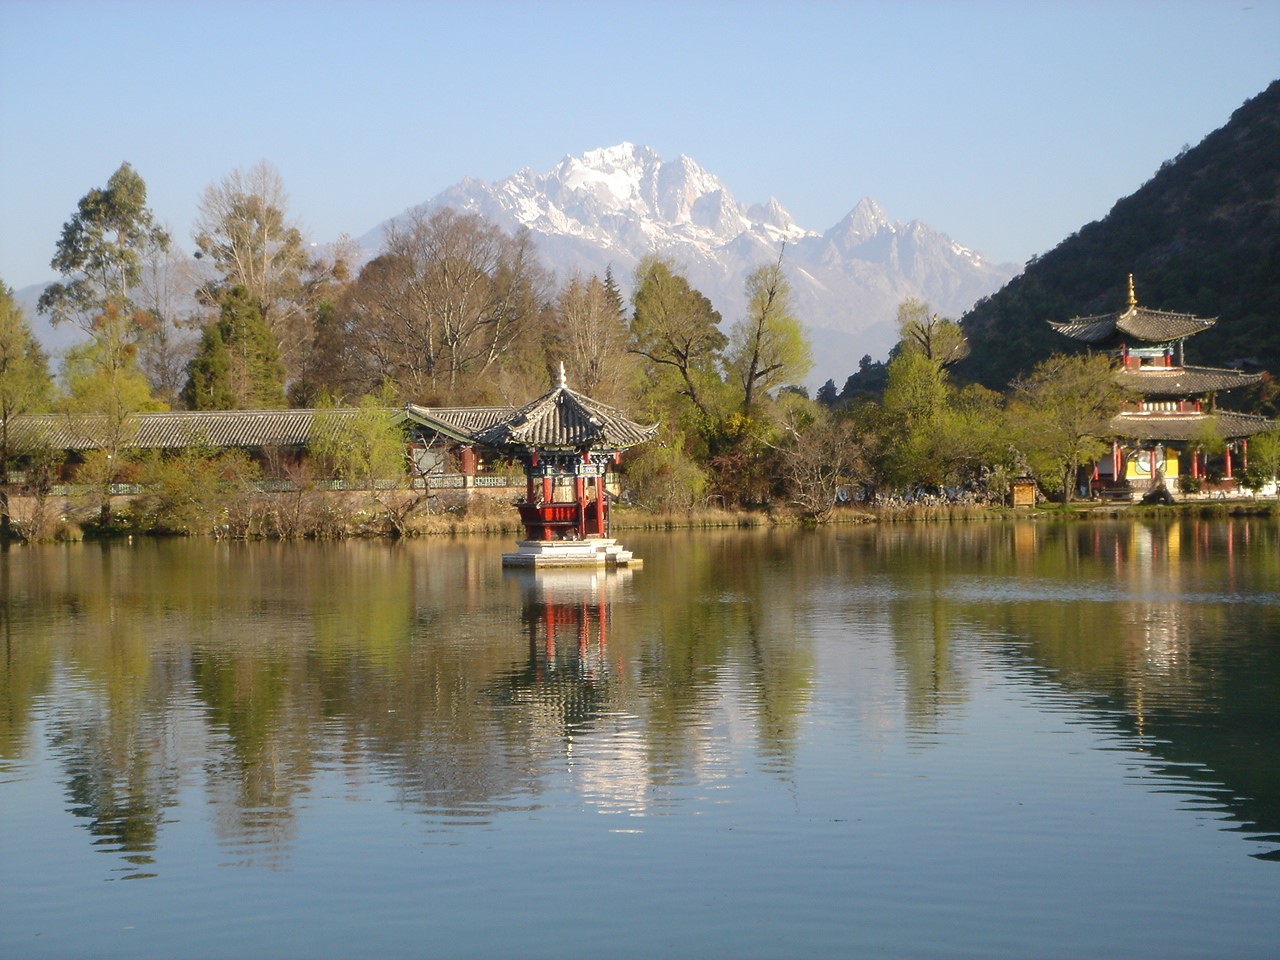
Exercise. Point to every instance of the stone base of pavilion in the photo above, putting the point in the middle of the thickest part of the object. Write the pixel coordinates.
(588, 552)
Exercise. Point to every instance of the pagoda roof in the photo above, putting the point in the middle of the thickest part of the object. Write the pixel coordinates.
(1182, 381)
(1158, 425)
(1135, 323)
(565, 419)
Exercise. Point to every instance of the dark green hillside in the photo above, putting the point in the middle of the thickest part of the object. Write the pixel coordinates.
(1202, 236)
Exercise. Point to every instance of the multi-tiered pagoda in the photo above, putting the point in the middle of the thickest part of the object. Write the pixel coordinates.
(1165, 431)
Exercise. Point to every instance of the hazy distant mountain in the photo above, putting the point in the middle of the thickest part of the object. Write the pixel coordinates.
(54, 340)
(611, 207)
(1201, 236)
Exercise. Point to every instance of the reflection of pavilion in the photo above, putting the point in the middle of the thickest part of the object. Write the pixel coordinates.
(566, 614)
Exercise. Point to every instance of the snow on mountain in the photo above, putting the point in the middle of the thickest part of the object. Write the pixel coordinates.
(612, 206)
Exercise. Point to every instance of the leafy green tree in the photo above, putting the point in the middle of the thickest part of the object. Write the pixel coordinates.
(236, 366)
(663, 477)
(921, 331)
(367, 450)
(197, 490)
(25, 387)
(915, 402)
(676, 330)
(209, 375)
(1064, 410)
(767, 348)
(105, 388)
(1264, 451)
(100, 253)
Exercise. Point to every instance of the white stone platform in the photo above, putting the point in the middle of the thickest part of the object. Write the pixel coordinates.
(589, 552)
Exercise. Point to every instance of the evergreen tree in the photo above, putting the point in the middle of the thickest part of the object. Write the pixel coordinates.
(237, 366)
(209, 378)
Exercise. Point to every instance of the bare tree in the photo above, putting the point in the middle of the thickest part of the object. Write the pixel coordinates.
(591, 337)
(244, 231)
(447, 300)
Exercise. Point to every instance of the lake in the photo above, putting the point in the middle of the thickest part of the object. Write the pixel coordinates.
(974, 740)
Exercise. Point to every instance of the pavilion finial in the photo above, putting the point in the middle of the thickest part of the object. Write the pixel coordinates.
(564, 382)
(1133, 297)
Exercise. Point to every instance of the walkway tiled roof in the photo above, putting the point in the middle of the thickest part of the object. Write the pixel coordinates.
(461, 423)
(1182, 381)
(564, 419)
(1155, 425)
(184, 428)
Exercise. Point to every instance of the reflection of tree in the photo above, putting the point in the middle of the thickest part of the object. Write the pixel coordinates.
(250, 670)
(1152, 624)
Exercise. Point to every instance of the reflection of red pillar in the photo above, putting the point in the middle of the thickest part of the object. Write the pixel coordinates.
(549, 619)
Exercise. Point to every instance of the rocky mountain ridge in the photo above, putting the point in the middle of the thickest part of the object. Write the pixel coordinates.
(610, 207)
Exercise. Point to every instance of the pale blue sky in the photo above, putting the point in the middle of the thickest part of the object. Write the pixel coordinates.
(1007, 125)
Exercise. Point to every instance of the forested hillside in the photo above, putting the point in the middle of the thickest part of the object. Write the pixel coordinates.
(1202, 236)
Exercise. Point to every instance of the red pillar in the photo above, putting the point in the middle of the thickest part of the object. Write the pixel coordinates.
(1244, 454)
(580, 495)
(600, 505)
(1227, 457)
(470, 461)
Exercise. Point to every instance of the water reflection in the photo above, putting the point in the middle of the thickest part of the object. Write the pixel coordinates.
(172, 681)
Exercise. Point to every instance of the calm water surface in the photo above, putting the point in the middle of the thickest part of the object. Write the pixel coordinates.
(988, 740)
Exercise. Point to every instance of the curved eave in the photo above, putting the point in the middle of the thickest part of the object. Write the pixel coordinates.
(1136, 323)
(1182, 381)
(566, 420)
(1183, 427)
(1158, 326)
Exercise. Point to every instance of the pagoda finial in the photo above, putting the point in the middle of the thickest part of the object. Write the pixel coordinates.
(1133, 297)
(564, 382)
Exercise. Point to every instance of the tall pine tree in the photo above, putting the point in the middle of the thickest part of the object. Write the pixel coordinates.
(237, 366)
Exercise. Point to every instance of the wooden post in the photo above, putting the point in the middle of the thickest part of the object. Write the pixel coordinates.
(1227, 457)
(601, 505)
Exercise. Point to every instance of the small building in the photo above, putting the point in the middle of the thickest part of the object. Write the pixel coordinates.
(565, 441)
(1162, 434)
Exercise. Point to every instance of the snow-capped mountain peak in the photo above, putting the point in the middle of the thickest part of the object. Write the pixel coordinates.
(612, 206)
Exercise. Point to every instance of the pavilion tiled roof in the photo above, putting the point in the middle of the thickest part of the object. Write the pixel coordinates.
(183, 428)
(565, 419)
(1182, 381)
(1179, 427)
